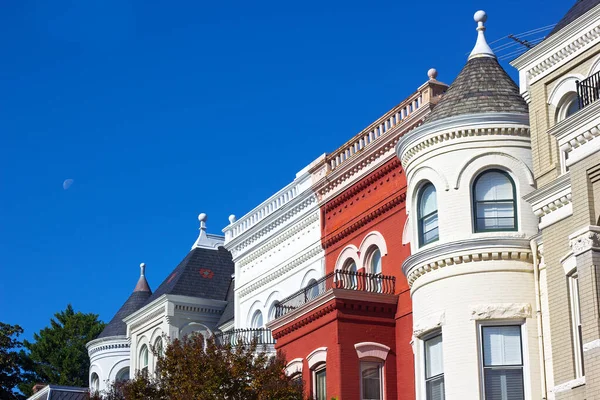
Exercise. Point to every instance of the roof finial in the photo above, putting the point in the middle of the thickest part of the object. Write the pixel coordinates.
(481, 49)
(432, 74)
(202, 217)
(142, 283)
(205, 240)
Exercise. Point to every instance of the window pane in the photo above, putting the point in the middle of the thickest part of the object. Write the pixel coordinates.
(504, 384)
(493, 186)
(435, 388)
(434, 362)
(257, 320)
(502, 345)
(376, 262)
(428, 201)
(371, 380)
(573, 107)
(320, 385)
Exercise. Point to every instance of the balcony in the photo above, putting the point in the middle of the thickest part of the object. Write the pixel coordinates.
(342, 280)
(588, 90)
(263, 337)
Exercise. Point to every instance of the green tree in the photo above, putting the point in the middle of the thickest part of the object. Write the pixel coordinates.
(10, 361)
(58, 354)
(195, 369)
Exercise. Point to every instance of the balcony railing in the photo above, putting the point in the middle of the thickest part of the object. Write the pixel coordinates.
(339, 279)
(588, 90)
(245, 336)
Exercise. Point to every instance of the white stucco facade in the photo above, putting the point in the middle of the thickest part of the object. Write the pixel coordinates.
(109, 359)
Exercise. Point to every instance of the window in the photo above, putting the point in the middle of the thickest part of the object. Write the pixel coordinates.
(257, 319)
(95, 382)
(568, 106)
(576, 324)
(273, 310)
(502, 363)
(144, 358)
(434, 368)
(376, 262)
(371, 380)
(495, 205)
(320, 383)
(374, 283)
(158, 347)
(428, 215)
(123, 375)
(350, 279)
(312, 289)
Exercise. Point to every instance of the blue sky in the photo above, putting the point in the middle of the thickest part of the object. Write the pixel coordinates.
(161, 110)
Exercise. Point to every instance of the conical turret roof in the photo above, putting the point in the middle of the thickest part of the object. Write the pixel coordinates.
(141, 293)
(482, 86)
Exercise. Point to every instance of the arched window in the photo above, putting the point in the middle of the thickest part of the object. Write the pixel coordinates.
(375, 261)
(350, 279)
(428, 215)
(158, 347)
(123, 375)
(95, 382)
(257, 319)
(568, 106)
(144, 358)
(273, 310)
(312, 289)
(495, 207)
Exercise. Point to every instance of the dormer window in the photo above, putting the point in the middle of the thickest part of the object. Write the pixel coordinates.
(495, 207)
(428, 215)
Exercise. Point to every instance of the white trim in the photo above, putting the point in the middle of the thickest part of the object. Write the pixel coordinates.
(565, 86)
(595, 67)
(490, 160)
(594, 344)
(426, 325)
(371, 349)
(569, 263)
(566, 386)
(406, 236)
(373, 238)
(484, 312)
(294, 367)
(316, 357)
(350, 252)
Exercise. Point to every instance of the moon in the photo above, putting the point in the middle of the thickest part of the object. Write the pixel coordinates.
(67, 183)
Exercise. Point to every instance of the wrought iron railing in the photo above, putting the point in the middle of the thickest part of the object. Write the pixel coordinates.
(337, 280)
(588, 90)
(245, 336)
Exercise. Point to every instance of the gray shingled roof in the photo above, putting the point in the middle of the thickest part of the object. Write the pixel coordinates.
(481, 87)
(116, 326)
(229, 311)
(65, 393)
(577, 10)
(203, 273)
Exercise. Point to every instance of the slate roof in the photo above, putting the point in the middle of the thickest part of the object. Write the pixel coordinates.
(229, 311)
(577, 10)
(55, 392)
(481, 87)
(204, 273)
(116, 326)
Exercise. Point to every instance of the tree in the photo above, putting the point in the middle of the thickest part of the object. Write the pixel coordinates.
(197, 369)
(10, 361)
(58, 354)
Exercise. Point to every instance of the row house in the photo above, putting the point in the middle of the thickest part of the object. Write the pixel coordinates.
(560, 79)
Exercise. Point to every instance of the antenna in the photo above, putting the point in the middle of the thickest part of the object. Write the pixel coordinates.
(520, 41)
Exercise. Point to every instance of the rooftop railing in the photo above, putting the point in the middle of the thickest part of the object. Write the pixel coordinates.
(588, 90)
(245, 336)
(339, 279)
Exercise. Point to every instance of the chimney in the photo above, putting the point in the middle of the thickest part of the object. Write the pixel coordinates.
(38, 386)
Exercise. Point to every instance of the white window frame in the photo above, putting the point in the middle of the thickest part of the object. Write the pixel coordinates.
(575, 317)
(313, 372)
(423, 365)
(524, 353)
(381, 364)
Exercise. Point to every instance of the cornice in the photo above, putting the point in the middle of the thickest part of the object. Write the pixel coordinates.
(143, 320)
(315, 309)
(379, 152)
(332, 239)
(313, 252)
(560, 47)
(278, 239)
(371, 179)
(461, 127)
(159, 302)
(302, 203)
(465, 251)
(114, 346)
(550, 198)
(108, 339)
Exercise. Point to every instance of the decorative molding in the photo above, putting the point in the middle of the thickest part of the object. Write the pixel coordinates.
(238, 244)
(114, 346)
(316, 357)
(565, 387)
(585, 239)
(473, 250)
(197, 309)
(460, 127)
(429, 323)
(552, 202)
(594, 344)
(147, 318)
(294, 367)
(371, 349)
(381, 210)
(500, 311)
(511, 159)
(575, 133)
(314, 251)
(279, 239)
